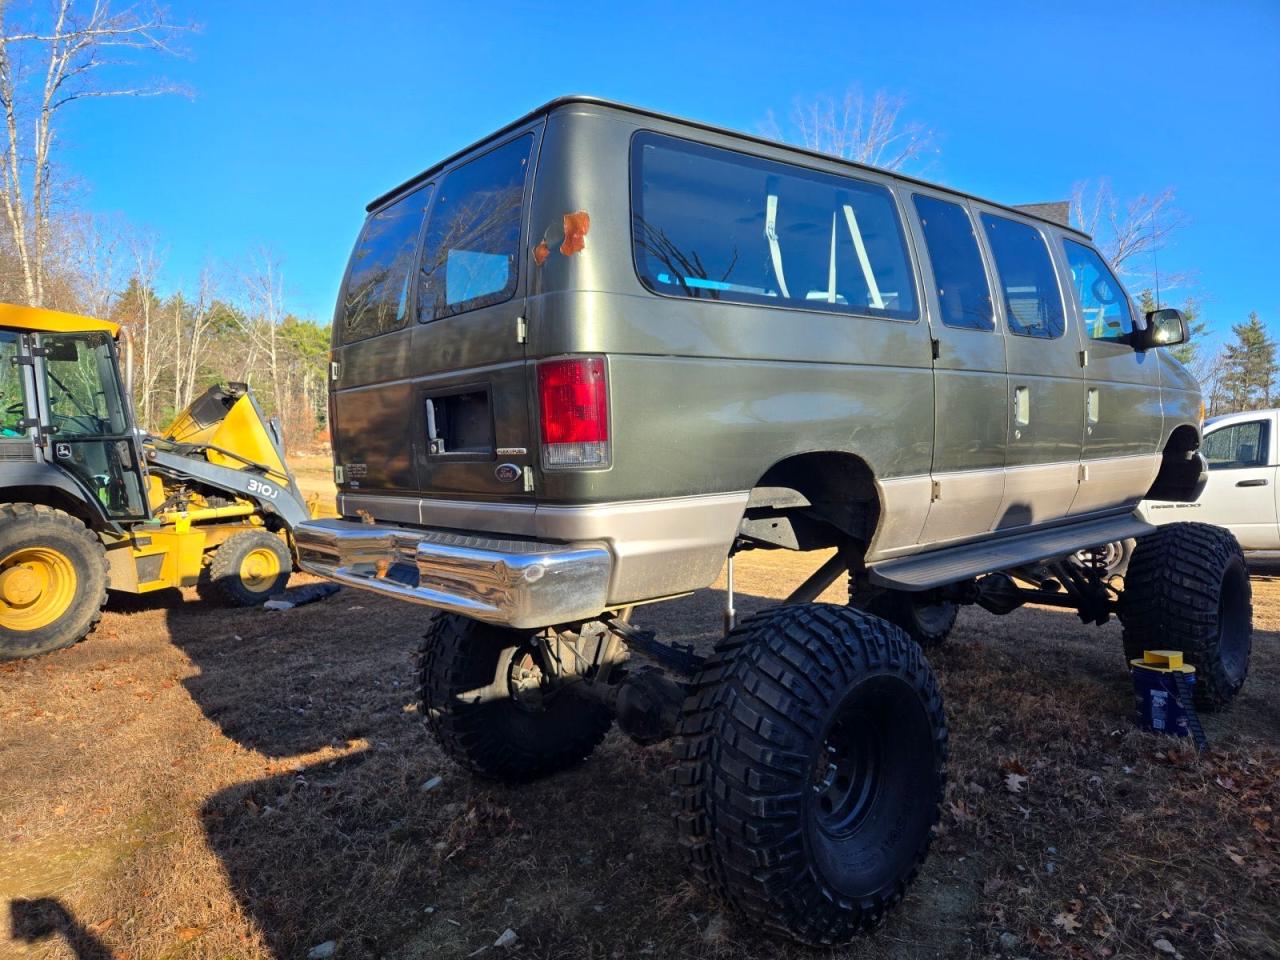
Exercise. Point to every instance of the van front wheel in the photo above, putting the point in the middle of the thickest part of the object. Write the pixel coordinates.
(1188, 589)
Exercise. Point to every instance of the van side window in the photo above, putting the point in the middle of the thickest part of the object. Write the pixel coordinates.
(713, 224)
(375, 299)
(1031, 295)
(1104, 306)
(1239, 445)
(471, 255)
(964, 296)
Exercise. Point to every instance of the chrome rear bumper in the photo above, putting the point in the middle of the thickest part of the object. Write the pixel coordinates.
(516, 583)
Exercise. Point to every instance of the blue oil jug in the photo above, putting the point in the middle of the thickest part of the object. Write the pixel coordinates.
(1162, 706)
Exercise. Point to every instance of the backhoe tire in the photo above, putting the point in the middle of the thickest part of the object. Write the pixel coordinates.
(812, 759)
(53, 580)
(925, 619)
(1188, 589)
(480, 688)
(246, 570)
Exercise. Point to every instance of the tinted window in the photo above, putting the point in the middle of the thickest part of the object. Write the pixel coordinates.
(717, 225)
(12, 410)
(1104, 306)
(84, 394)
(472, 251)
(1239, 445)
(964, 297)
(1031, 295)
(376, 296)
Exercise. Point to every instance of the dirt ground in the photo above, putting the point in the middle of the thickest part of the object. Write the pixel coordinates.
(193, 782)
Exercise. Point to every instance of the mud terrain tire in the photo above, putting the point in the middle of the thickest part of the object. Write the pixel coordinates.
(812, 756)
(1188, 589)
(72, 560)
(463, 668)
(928, 624)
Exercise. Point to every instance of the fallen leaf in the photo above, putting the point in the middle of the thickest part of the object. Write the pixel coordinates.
(186, 934)
(1067, 921)
(102, 925)
(1164, 946)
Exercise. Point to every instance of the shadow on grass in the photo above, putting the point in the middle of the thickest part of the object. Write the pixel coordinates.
(31, 921)
(349, 846)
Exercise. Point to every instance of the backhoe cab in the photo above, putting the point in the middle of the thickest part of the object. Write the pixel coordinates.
(89, 503)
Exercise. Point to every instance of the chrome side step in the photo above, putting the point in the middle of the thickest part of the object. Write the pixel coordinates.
(938, 568)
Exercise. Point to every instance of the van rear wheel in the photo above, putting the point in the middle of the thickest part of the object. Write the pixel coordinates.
(925, 619)
(812, 756)
(489, 702)
(1188, 589)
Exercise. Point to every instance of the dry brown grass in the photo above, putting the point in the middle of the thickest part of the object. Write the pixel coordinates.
(201, 783)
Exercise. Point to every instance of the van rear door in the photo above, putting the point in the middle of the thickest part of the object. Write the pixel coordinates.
(471, 393)
(371, 402)
(438, 411)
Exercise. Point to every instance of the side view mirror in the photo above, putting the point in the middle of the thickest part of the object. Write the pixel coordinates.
(1165, 328)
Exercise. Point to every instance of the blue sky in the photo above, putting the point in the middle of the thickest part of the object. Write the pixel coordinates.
(303, 112)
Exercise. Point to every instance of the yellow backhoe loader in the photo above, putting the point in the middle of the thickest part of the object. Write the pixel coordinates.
(89, 503)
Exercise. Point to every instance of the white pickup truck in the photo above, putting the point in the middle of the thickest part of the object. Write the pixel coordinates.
(1241, 492)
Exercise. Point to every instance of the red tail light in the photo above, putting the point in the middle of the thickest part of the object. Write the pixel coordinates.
(573, 398)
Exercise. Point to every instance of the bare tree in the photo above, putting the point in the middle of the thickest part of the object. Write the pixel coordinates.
(94, 253)
(144, 325)
(854, 127)
(266, 295)
(45, 65)
(1126, 231)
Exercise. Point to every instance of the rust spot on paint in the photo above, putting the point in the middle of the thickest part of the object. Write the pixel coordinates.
(541, 252)
(576, 226)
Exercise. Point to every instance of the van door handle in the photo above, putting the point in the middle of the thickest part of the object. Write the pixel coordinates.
(1256, 482)
(1092, 405)
(1022, 406)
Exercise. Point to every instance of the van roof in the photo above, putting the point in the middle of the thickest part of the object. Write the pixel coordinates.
(558, 102)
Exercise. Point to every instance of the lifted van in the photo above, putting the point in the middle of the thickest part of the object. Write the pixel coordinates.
(582, 363)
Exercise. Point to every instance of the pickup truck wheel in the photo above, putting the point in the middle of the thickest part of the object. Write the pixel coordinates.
(1188, 589)
(485, 701)
(927, 620)
(53, 580)
(812, 753)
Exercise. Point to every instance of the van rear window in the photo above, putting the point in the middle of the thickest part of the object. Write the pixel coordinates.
(375, 299)
(713, 224)
(472, 250)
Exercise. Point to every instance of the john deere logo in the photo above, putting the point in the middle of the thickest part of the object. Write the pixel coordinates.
(507, 472)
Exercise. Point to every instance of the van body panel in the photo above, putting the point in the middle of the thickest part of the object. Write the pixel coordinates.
(1045, 396)
(970, 384)
(964, 431)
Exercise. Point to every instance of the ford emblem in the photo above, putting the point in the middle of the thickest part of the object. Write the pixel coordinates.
(507, 472)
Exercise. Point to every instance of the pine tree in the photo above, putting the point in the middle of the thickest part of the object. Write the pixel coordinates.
(1187, 354)
(1249, 366)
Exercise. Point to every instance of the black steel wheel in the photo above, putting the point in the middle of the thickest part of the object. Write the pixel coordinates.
(812, 763)
(1188, 589)
(488, 702)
